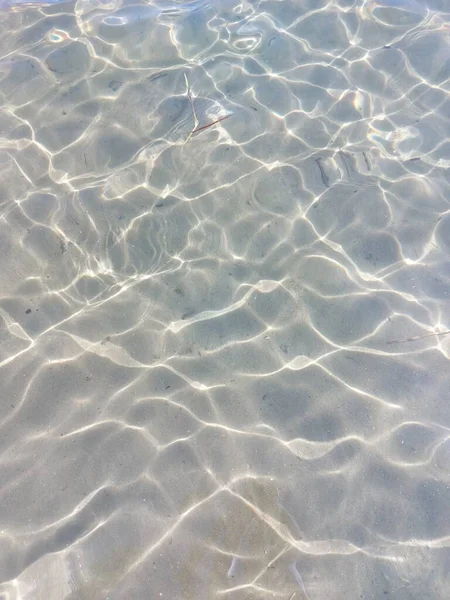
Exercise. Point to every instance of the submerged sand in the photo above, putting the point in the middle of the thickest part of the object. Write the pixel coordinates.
(224, 360)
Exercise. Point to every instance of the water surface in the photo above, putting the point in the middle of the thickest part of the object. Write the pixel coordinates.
(223, 349)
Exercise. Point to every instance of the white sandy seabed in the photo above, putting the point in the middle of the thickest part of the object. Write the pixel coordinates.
(224, 360)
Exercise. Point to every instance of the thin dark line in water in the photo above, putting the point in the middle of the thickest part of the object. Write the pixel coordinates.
(345, 163)
(157, 76)
(323, 175)
(211, 124)
(417, 337)
(369, 168)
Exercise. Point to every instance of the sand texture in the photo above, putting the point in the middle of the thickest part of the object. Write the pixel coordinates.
(225, 300)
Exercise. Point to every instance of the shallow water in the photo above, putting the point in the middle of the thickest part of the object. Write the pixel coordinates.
(224, 353)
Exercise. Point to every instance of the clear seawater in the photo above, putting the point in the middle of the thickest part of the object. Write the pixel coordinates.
(225, 300)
